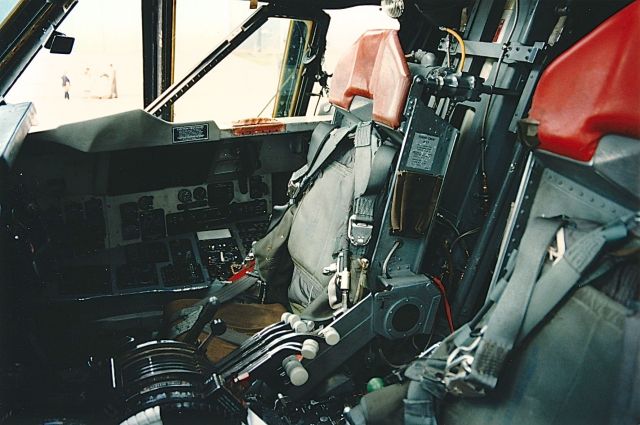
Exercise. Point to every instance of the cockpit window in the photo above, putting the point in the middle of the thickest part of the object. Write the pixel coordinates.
(345, 27)
(6, 7)
(243, 85)
(103, 74)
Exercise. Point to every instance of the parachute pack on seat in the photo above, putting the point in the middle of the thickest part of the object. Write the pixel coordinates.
(318, 244)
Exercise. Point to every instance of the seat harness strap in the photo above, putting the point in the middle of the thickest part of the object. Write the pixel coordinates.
(506, 319)
(468, 362)
(525, 301)
(372, 162)
(324, 141)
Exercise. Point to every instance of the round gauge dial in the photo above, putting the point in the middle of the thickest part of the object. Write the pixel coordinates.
(185, 196)
(199, 193)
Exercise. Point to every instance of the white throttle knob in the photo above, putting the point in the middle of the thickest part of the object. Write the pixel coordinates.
(309, 349)
(300, 326)
(331, 336)
(297, 374)
(293, 319)
(285, 317)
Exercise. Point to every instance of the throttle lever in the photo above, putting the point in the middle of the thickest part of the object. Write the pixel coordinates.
(206, 315)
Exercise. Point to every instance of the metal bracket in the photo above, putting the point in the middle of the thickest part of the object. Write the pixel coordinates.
(293, 190)
(515, 52)
(408, 308)
(474, 48)
(359, 233)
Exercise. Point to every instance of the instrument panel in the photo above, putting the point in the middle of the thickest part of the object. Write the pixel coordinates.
(166, 240)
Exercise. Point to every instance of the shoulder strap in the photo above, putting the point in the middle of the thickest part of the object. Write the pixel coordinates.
(330, 138)
(318, 138)
(506, 319)
(373, 162)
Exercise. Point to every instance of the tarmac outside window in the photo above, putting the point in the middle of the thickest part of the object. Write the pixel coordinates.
(103, 74)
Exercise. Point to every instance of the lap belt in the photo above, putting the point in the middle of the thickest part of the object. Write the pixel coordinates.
(468, 362)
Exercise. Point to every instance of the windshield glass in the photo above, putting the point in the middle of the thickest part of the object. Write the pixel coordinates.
(244, 82)
(104, 73)
(6, 7)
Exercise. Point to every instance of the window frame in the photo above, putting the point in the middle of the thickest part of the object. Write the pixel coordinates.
(307, 61)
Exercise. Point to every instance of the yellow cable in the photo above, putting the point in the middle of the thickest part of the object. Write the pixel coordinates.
(463, 50)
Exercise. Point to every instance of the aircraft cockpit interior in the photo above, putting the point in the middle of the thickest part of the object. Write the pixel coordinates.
(434, 222)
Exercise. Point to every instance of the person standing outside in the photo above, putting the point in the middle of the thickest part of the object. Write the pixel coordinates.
(66, 85)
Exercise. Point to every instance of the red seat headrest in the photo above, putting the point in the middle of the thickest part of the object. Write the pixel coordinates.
(591, 90)
(374, 67)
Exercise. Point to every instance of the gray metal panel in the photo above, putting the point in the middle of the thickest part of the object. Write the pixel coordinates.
(140, 129)
(586, 174)
(618, 160)
(15, 122)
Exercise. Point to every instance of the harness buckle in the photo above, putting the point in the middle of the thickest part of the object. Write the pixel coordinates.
(458, 369)
(293, 189)
(359, 232)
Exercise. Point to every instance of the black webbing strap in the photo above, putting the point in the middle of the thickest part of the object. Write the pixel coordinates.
(523, 305)
(475, 360)
(372, 162)
(365, 149)
(564, 275)
(468, 362)
(301, 178)
(319, 137)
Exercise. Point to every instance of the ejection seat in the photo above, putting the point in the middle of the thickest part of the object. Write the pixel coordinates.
(333, 198)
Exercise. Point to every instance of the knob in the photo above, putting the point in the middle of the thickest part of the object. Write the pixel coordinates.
(293, 319)
(218, 327)
(297, 374)
(309, 349)
(331, 336)
(285, 317)
(300, 326)
(310, 325)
